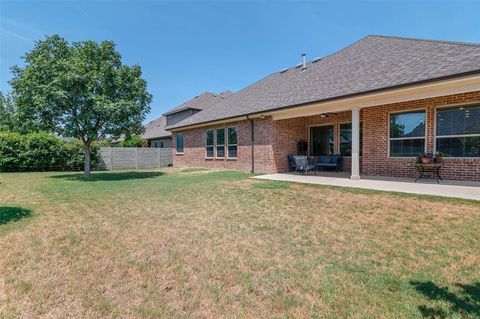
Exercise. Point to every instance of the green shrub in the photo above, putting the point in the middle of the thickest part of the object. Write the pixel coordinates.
(133, 141)
(41, 151)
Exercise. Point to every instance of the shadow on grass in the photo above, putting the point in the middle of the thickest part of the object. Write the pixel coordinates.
(114, 176)
(465, 303)
(12, 214)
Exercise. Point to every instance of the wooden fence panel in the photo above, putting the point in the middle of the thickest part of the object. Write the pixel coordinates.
(112, 158)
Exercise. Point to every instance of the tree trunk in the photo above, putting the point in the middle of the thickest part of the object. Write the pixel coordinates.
(86, 168)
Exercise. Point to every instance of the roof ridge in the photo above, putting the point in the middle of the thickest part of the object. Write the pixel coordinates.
(424, 40)
(324, 56)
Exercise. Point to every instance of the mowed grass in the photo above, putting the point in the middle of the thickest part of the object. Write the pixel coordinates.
(207, 244)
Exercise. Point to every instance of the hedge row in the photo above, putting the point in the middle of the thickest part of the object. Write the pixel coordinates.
(41, 151)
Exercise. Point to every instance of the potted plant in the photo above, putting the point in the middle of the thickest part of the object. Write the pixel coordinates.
(425, 159)
(438, 157)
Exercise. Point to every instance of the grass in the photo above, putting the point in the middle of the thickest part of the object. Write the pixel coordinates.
(196, 243)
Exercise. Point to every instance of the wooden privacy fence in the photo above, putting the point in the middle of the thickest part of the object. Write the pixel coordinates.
(134, 157)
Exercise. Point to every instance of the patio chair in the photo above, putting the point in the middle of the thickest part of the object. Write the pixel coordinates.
(291, 163)
(334, 160)
(302, 164)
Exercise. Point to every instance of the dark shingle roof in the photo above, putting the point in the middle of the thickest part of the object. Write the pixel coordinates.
(156, 129)
(372, 63)
(200, 102)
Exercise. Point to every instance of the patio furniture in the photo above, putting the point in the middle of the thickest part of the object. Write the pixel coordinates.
(302, 164)
(291, 163)
(432, 169)
(334, 160)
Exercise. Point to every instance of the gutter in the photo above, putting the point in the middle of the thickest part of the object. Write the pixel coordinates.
(341, 97)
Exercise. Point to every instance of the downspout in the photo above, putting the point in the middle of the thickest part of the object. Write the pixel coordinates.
(252, 125)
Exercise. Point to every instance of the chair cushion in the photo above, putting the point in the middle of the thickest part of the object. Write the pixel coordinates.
(324, 159)
(327, 164)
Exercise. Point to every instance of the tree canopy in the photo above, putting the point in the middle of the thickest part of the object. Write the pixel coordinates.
(80, 90)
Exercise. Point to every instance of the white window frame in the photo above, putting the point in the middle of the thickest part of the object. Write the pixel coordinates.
(407, 138)
(176, 144)
(213, 143)
(339, 143)
(228, 144)
(217, 145)
(435, 136)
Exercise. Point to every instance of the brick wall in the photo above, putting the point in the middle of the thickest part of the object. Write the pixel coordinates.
(375, 145)
(274, 140)
(194, 148)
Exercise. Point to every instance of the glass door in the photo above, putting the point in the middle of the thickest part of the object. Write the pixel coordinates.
(321, 140)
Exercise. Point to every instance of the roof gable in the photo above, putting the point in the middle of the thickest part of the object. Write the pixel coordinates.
(200, 102)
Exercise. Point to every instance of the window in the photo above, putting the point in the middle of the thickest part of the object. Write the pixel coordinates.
(220, 142)
(209, 143)
(458, 131)
(158, 144)
(407, 134)
(346, 139)
(321, 140)
(232, 140)
(180, 141)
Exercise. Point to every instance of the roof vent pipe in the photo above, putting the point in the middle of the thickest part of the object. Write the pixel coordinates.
(304, 61)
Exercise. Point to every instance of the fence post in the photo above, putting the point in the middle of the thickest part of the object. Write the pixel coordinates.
(159, 163)
(111, 158)
(136, 158)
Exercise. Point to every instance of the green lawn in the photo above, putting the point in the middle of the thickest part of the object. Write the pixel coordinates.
(198, 243)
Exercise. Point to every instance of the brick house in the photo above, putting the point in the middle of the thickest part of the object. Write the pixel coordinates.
(155, 132)
(379, 102)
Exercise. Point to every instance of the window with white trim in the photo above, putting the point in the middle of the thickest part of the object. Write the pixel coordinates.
(220, 140)
(407, 134)
(209, 146)
(346, 139)
(458, 131)
(232, 141)
(158, 144)
(180, 141)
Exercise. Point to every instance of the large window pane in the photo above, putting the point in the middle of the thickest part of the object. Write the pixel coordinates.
(180, 141)
(407, 147)
(458, 131)
(209, 143)
(232, 151)
(232, 140)
(209, 138)
(346, 139)
(220, 142)
(407, 124)
(459, 146)
(458, 121)
(232, 135)
(321, 140)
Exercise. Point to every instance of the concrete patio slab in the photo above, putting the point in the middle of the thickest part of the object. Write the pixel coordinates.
(470, 190)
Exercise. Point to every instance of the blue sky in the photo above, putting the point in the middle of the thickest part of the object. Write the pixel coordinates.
(186, 48)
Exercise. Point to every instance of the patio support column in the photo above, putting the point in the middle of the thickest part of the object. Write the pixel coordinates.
(355, 143)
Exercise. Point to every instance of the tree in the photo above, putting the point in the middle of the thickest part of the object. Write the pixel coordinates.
(11, 119)
(133, 141)
(7, 113)
(81, 90)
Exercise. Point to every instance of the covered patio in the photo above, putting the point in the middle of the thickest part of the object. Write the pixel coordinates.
(448, 188)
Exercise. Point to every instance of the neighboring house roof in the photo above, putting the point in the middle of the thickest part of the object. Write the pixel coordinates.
(156, 129)
(200, 102)
(371, 64)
